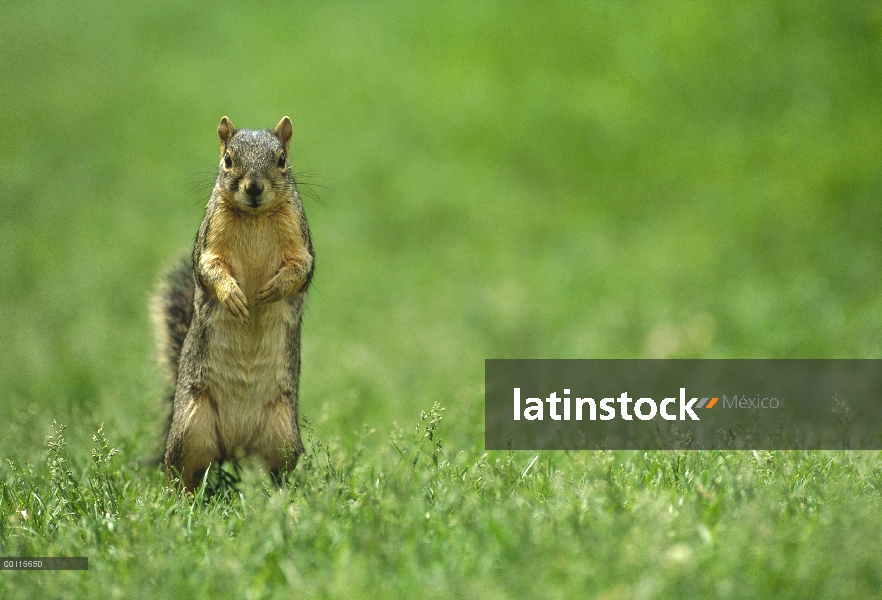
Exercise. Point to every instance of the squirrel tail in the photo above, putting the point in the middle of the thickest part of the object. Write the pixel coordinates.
(171, 310)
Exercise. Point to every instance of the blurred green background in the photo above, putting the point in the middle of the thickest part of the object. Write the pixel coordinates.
(573, 180)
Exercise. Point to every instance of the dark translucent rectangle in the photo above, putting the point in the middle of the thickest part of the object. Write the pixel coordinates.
(760, 404)
(44, 563)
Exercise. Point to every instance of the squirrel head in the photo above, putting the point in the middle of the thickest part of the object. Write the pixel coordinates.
(254, 171)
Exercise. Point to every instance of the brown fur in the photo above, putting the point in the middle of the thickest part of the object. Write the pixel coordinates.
(237, 374)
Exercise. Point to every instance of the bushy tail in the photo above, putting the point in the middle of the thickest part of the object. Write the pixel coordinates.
(171, 310)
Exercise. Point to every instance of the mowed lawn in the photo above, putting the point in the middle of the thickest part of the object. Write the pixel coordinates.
(482, 180)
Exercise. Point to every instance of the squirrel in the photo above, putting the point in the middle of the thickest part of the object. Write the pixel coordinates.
(227, 320)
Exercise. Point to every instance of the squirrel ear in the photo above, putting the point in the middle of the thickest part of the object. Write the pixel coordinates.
(225, 131)
(284, 130)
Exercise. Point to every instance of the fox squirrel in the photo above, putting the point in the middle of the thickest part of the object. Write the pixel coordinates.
(228, 319)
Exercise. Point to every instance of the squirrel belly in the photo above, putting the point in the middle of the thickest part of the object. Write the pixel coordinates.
(236, 392)
(236, 370)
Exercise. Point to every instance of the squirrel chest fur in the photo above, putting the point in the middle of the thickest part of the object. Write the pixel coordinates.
(228, 321)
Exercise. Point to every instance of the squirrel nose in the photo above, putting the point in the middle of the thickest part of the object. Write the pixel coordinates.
(253, 189)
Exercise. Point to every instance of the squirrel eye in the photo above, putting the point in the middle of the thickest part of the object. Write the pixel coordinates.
(228, 161)
(282, 160)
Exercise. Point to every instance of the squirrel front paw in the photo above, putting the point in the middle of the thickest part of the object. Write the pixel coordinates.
(271, 291)
(233, 298)
(277, 288)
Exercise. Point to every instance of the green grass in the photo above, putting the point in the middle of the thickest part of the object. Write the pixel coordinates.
(578, 180)
(414, 517)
